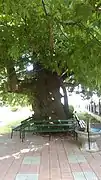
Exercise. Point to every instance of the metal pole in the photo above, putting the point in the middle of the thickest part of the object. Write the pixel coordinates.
(88, 124)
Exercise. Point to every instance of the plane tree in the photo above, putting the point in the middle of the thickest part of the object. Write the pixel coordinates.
(45, 45)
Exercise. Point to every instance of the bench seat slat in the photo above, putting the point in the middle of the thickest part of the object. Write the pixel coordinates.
(50, 125)
(47, 130)
(46, 121)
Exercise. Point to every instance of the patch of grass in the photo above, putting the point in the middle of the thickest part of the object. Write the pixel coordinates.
(7, 128)
(86, 116)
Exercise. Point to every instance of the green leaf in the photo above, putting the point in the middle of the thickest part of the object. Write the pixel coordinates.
(83, 11)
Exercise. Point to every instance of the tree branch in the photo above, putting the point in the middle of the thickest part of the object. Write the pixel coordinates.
(44, 7)
(12, 77)
(79, 24)
(70, 22)
(51, 38)
(22, 86)
(14, 84)
(88, 31)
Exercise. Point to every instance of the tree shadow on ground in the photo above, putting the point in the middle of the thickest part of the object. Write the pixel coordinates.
(33, 144)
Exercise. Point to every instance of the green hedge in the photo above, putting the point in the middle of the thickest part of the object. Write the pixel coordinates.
(86, 116)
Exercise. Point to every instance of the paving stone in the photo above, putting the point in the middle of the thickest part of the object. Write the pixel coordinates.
(72, 159)
(85, 166)
(3, 148)
(85, 175)
(31, 160)
(26, 177)
(90, 176)
(4, 140)
(81, 159)
(76, 159)
(75, 167)
(79, 176)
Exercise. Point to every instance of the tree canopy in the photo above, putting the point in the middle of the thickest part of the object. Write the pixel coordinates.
(63, 36)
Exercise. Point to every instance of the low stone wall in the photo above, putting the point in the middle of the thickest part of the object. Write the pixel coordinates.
(95, 116)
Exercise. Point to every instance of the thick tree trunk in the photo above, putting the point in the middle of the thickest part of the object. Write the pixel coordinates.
(47, 98)
(45, 90)
(12, 78)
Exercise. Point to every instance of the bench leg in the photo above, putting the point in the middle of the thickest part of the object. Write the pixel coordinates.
(76, 136)
(23, 135)
(49, 136)
(11, 134)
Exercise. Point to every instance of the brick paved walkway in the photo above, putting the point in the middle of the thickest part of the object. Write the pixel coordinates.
(39, 158)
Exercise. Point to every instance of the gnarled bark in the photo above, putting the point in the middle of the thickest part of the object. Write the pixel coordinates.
(45, 90)
(47, 100)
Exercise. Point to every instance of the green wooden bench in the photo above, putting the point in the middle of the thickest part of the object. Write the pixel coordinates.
(19, 127)
(16, 128)
(49, 126)
(44, 126)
